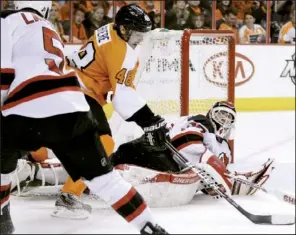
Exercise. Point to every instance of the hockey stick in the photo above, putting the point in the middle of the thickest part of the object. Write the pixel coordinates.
(288, 198)
(257, 219)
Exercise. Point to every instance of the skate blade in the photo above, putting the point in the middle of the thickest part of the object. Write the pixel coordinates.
(75, 214)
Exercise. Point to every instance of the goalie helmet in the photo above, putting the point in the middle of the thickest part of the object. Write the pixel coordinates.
(43, 7)
(222, 115)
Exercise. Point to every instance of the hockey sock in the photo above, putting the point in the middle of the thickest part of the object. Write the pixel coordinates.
(108, 144)
(123, 198)
(76, 188)
(39, 155)
(5, 190)
(6, 225)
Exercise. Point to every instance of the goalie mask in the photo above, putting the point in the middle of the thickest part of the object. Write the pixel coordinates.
(222, 115)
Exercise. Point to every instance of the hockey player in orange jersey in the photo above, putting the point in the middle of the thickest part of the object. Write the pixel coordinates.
(108, 62)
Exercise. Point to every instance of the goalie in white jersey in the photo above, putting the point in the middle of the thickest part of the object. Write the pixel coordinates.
(42, 105)
(203, 140)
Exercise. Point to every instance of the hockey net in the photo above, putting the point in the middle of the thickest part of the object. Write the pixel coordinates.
(182, 73)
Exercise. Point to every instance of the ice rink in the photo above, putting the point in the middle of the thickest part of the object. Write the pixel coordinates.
(259, 136)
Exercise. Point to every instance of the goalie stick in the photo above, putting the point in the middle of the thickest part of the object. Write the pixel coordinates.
(288, 198)
(257, 219)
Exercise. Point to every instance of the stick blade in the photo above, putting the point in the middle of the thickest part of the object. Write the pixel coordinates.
(272, 219)
(283, 219)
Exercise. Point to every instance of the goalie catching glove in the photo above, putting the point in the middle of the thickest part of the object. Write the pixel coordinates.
(258, 177)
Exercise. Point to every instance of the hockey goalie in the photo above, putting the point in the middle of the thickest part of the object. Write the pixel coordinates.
(202, 139)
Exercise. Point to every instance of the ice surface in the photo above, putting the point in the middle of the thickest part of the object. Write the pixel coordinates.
(259, 136)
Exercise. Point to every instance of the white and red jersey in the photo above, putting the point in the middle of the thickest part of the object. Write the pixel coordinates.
(34, 81)
(195, 139)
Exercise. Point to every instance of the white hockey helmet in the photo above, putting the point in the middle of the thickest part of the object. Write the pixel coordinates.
(43, 7)
(223, 117)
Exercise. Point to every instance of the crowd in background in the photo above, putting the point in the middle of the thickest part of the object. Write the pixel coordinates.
(246, 18)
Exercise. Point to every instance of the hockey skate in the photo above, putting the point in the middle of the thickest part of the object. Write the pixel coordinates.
(151, 229)
(69, 206)
(6, 225)
(258, 176)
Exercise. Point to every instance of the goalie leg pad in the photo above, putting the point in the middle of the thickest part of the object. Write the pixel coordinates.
(216, 169)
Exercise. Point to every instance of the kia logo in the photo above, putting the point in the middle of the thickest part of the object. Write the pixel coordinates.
(215, 70)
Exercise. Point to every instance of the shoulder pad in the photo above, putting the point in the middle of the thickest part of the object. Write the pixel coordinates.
(202, 119)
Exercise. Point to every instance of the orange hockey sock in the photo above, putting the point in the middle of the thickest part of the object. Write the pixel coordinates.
(108, 143)
(40, 155)
(76, 188)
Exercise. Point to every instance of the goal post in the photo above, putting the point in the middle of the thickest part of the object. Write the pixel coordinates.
(185, 62)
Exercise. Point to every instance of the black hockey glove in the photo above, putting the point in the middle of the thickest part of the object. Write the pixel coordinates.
(156, 134)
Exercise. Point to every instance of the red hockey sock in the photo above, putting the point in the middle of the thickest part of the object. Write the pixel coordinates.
(5, 190)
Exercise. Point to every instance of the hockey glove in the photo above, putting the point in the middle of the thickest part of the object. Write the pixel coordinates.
(156, 134)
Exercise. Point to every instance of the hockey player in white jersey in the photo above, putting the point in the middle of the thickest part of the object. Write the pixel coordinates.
(42, 105)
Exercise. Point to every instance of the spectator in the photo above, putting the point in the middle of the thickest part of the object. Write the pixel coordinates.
(60, 2)
(199, 21)
(198, 7)
(119, 4)
(149, 6)
(250, 32)
(78, 29)
(168, 5)
(229, 23)
(287, 32)
(222, 7)
(65, 9)
(283, 9)
(8, 5)
(178, 17)
(96, 20)
(155, 17)
(258, 10)
(243, 7)
(90, 5)
(54, 19)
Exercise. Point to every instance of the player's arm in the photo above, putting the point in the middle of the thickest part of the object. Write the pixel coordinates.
(129, 104)
(187, 137)
(7, 69)
(133, 108)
